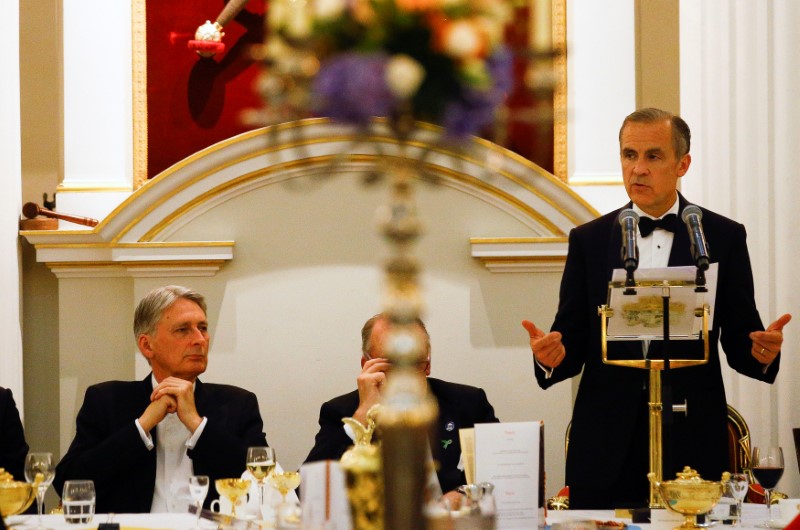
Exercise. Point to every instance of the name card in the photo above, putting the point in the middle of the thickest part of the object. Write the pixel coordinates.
(510, 456)
(324, 496)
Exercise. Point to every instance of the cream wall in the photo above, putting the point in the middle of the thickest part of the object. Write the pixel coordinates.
(287, 311)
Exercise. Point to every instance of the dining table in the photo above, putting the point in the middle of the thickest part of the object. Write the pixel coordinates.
(752, 515)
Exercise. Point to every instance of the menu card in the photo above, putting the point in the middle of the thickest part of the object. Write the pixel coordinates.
(324, 498)
(510, 456)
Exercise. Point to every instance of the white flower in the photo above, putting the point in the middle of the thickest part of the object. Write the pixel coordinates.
(462, 40)
(404, 75)
(298, 26)
(277, 14)
(328, 9)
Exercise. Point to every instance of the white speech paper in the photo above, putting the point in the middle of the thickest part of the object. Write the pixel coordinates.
(508, 455)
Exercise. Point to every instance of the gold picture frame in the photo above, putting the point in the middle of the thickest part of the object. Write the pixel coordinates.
(140, 92)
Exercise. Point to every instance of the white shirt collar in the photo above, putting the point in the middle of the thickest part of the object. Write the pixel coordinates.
(674, 209)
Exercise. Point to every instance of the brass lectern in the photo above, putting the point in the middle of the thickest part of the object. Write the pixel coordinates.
(647, 310)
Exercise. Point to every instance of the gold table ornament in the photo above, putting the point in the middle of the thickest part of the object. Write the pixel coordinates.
(689, 495)
(363, 469)
(16, 496)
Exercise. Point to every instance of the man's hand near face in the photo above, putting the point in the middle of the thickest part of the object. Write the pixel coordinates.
(182, 392)
(370, 385)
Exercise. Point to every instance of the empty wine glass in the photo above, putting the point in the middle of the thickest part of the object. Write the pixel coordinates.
(40, 464)
(739, 484)
(260, 463)
(198, 489)
(767, 468)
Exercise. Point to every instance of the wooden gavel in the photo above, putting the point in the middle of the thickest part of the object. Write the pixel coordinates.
(31, 210)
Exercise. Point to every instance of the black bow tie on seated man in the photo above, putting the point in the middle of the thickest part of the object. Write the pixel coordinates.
(668, 222)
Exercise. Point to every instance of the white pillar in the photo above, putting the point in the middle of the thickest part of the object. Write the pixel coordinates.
(98, 88)
(10, 205)
(738, 72)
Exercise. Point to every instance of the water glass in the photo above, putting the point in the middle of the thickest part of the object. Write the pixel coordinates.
(78, 498)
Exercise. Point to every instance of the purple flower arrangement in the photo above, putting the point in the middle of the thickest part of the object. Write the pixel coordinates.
(442, 60)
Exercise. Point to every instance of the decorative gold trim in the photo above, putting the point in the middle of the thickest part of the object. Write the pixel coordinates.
(139, 75)
(266, 131)
(588, 183)
(319, 161)
(523, 259)
(560, 114)
(515, 240)
(163, 264)
(144, 244)
(93, 189)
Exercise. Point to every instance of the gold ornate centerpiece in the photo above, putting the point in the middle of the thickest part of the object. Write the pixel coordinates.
(689, 495)
(363, 467)
(16, 496)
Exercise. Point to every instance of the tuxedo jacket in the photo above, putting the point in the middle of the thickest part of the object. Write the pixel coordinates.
(13, 448)
(460, 407)
(109, 450)
(609, 400)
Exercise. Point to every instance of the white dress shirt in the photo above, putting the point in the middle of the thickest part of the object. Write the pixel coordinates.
(173, 465)
(654, 249)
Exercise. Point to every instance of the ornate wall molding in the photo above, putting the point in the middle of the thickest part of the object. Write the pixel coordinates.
(136, 238)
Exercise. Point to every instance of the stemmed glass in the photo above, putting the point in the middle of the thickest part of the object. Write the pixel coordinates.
(739, 484)
(260, 463)
(284, 482)
(198, 489)
(40, 464)
(767, 468)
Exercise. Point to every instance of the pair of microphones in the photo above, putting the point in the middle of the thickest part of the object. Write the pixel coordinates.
(692, 216)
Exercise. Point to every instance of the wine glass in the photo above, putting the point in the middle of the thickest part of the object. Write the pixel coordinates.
(233, 489)
(738, 484)
(40, 464)
(260, 463)
(198, 489)
(284, 482)
(767, 468)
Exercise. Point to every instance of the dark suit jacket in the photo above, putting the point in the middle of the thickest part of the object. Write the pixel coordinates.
(108, 449)
(460, 407)
(13, 448)
(607, 406)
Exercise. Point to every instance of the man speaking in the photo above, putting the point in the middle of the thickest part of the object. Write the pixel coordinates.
(607, 459)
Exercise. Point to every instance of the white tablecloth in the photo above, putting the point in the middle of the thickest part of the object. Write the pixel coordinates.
(752, 514)
(171, 521)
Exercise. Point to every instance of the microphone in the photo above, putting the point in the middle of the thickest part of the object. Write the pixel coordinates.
(692, 216)
(629, 252)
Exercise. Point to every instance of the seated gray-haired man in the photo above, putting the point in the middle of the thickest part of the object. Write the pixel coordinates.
(460, 406)
(140, 441)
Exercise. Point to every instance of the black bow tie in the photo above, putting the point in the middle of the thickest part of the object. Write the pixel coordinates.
(668, 222)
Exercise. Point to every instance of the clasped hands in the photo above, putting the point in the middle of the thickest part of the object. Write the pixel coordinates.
(171, 395)
(549, 351)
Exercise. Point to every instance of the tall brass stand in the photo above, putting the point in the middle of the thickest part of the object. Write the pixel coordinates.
(655, 366)
(407, 411)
